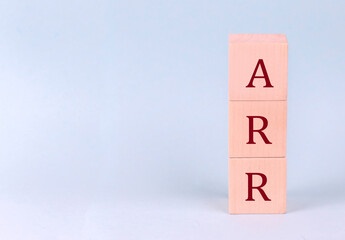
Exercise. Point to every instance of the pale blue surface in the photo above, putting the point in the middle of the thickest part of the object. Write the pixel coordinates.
(113, 119)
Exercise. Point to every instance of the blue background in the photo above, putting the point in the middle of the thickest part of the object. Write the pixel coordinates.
(113, 119)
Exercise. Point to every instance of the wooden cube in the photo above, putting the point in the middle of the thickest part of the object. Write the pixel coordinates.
(257, 185)
(258, 67)
(257, 128)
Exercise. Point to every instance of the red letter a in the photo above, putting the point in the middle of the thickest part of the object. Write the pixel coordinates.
(265, 76)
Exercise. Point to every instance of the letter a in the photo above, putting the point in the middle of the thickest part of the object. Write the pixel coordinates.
(259, 188)
(265, 76)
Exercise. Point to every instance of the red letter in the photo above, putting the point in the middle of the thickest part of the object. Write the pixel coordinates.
(265, 76)
(260, 131)
(250, 186)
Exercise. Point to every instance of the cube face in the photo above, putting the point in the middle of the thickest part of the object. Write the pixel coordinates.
(247, 176)
(245, 51)
(244, 113)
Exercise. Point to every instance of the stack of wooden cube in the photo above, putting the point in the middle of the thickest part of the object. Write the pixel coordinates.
(258, 65)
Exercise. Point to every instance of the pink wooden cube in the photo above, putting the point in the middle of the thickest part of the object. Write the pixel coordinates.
(257, 185)
(258, 67)
(257, 128)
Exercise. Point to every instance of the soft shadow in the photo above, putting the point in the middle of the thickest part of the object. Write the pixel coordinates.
(310, 198)
(215, 199)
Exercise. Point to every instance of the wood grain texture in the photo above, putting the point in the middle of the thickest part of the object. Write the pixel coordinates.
(275, 188)
(274, 112)
(244, 52)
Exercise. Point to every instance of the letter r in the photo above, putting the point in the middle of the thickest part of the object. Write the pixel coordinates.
(259, 188)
